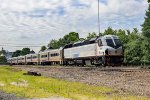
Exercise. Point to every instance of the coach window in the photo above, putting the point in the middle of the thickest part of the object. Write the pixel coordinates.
(44, 56)
(34, 57)
(29, 58)
(57, 54)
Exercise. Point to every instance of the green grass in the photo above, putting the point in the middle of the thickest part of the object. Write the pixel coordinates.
(43, 87)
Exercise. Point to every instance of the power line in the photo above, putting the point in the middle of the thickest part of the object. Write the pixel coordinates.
(18, 46)
(21, 45)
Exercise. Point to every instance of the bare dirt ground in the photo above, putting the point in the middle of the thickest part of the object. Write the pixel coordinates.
(125, 80)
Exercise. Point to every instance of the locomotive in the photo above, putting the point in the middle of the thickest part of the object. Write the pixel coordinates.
(104, 50)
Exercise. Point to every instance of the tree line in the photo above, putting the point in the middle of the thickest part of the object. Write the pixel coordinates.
(22, 52)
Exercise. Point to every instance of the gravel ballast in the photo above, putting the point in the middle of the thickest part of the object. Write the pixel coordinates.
(5, 96)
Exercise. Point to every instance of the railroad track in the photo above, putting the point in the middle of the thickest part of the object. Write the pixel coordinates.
(122, 68)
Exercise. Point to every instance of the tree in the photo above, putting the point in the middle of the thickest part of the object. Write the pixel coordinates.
(2, 51)
(91, 35)
(109, 31)
(16, 53)
(43, 48)
(135, 31)
(146, 25)
(25, 51)
(133, 52)
(53, 44)
(145, 47)
(3, 60)
(69, 38)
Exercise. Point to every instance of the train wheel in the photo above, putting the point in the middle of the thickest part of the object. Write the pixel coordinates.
(103, 61)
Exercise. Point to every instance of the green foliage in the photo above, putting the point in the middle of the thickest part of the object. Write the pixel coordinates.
(54, 44)
(91, 35)
(3, 60)
(22, 52)
(43, 48)
(2, 51)
(146, 25)
(16, 53)
(133, 52)
(69, 38)
(109, 31)
(25, 51)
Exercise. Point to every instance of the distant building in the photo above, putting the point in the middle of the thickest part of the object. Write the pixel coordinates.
(8, 55)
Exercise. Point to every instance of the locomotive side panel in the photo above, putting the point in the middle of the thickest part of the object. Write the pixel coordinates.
(81, 51)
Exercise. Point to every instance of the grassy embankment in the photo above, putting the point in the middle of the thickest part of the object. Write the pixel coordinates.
(13, 81)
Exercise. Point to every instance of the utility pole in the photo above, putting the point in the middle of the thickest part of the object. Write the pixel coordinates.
(98, 18)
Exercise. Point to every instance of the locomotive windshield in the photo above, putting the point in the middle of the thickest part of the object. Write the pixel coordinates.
(113, 42)
(110, 42)
(117, 42)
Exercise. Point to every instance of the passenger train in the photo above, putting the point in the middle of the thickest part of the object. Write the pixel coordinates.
(104, 50)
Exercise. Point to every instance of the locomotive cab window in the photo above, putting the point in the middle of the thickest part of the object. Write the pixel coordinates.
(100, 42)
(117, 42)
(110, 42)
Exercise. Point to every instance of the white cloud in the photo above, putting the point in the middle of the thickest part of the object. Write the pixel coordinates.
(39, 21)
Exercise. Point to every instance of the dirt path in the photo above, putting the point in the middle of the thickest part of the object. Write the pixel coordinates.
(134, 81)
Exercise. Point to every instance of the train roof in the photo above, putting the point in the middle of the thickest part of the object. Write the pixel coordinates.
(49, 50)
(94, 39)
(80, 43)
(112, 36)
(21, 56)
(31, 54)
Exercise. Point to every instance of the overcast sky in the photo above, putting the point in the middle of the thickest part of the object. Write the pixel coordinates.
(39, 21)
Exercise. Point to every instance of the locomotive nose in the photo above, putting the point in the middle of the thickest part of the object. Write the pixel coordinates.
(113, 51)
